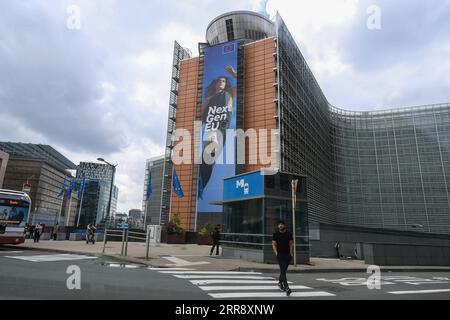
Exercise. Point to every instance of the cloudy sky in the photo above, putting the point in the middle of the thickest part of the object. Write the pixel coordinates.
(102, 90)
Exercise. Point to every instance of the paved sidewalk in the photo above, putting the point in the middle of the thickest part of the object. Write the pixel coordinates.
(193, 255)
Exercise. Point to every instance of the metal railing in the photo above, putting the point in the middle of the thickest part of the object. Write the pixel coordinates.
(126, 234)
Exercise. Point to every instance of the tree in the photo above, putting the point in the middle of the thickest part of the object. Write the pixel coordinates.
(174, 225)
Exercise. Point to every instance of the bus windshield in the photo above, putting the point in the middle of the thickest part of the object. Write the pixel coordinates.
(14, 208)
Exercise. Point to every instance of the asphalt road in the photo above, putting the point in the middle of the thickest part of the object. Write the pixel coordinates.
(31, 274)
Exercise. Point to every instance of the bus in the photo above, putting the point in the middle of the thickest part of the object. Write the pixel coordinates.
(15, 207)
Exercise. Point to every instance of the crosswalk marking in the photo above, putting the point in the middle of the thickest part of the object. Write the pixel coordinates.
(420, 291)
(228, 288)
(210, 272)
(270, 294)
(177, 262)
(240, 284)
(52, 257)
(166, 270)
(222, 277)
(204, 282)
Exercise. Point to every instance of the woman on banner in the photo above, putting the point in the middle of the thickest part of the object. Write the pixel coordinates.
(217, 111)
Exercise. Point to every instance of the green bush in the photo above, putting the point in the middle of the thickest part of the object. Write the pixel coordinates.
(174, 225)
(206, 229)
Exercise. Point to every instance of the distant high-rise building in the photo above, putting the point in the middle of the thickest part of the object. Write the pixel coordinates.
(114, 199)
(153, 205)
(96, 195)
(136, 217)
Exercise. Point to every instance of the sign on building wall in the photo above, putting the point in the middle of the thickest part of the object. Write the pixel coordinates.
(218, 112)
(243, 186)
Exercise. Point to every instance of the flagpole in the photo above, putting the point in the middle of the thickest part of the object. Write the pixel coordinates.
(60, 209)
(79, 210)
(68, 213)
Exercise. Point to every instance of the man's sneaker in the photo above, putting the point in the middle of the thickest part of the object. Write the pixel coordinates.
(288, 292)
(281, 286)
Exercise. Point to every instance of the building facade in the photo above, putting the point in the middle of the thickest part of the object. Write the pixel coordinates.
(381, 169)
(3, 163)
(94, 206)
(153, 205)
(45, 170)
(136, 218)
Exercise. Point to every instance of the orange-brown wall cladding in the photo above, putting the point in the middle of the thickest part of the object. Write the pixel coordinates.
(186, 113)
(260, 92)
(259, 111)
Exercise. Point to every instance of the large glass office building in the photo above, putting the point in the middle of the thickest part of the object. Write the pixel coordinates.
(380, 169)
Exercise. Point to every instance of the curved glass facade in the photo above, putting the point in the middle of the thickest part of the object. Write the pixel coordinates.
(384, 169)
(392, 168)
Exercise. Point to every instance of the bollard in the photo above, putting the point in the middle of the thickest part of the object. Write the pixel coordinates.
(147, 242)
(104, 239)
(123, 242)
(126, 243)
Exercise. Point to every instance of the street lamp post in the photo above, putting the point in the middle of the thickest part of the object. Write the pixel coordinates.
(108, 210)
(294, 202)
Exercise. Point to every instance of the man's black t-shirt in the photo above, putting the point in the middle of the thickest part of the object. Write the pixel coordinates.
(282, 240)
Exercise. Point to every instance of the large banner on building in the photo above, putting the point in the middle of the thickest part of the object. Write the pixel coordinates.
(218, 145)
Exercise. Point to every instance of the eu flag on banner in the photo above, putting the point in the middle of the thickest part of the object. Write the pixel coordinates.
(70, 189)
(63, 188)
(149, 185)
(81, 187)
(200, 186)
(176, 185)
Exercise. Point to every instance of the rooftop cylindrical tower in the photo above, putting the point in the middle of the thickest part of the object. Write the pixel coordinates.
(239, 25)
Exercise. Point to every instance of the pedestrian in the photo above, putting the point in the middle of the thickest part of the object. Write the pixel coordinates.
(90, 230)
(55, 231)
(283, 247)
(26, 230)
(37, 232)
(31, 236)
(216, 240)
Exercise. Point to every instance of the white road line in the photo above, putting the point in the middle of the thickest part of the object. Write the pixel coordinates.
(228, 288)
(205, 282)
(131, 266)
(420, 291)
(9, 252)
(270, 294)
(114, 265)
(210, 272)
(177, 262)
(222, 277)
(167, 270)
(51, 258)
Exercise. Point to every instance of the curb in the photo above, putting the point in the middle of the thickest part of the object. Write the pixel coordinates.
(263, 270)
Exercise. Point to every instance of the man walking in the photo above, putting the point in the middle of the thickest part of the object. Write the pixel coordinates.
(283, 247)
(216, 240)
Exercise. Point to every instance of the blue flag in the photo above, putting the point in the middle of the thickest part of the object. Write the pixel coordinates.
(81, 187)
(63, 188)
(200, 186)
(70, 189)
(149, 185)
(176, 185)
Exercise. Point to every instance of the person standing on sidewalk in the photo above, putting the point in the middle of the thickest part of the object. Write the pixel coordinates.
(37, 232)
(55, 231)
(283, 247)
(216, 240)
